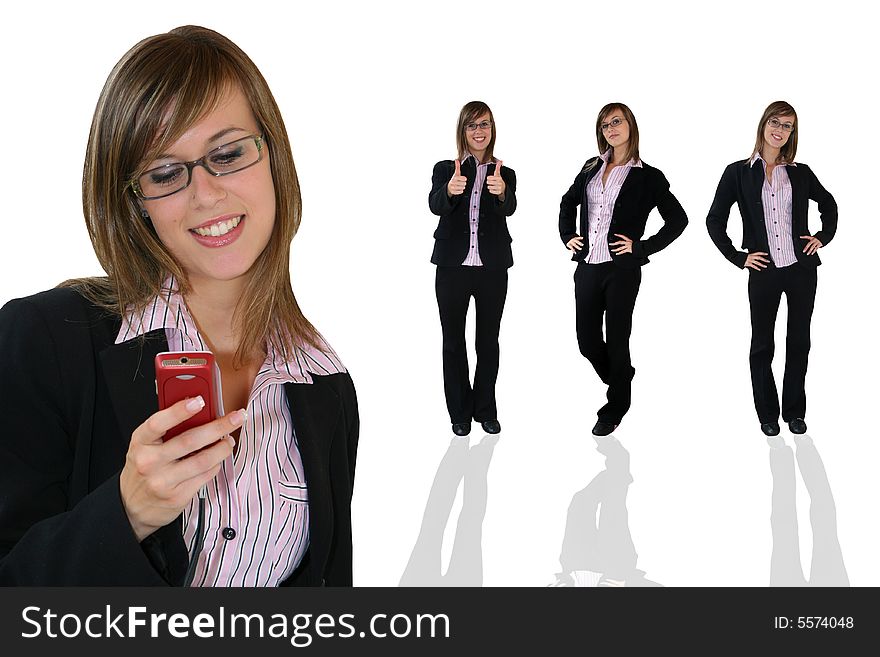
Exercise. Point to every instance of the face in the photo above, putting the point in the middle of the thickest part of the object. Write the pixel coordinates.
(218, 226)
(478, 140)
(615, 128)
(776, 135)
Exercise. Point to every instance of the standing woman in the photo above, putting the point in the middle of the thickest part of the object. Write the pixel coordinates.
(616, 192)
(473, 195)
(773, 194)
(191, 200)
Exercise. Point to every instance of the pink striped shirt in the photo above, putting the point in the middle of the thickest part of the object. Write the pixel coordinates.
(473, 256)
(776, 199)
(256, 511)
(601, 197)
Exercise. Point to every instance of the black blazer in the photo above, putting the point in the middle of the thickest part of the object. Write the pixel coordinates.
(643, 190)
(452, 237)
(742, 182)
(70, 400)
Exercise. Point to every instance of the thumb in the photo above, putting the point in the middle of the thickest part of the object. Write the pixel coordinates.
(457, 168)
(498, 167)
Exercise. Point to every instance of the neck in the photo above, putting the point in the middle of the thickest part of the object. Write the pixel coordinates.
(480, 156)
(770, 154)
(618, 154)
(212, 305)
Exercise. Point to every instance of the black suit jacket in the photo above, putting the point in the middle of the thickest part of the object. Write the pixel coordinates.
(452, 237)
(70, 400)
(643, 190)
(742, 182)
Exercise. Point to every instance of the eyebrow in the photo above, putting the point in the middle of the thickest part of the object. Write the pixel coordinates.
(212, 138)
(612, 117)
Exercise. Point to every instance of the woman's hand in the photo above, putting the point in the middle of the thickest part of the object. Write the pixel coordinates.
(457, 183)
(160, 478)
(757, 260)
(575, 244)
(624, 245)
(812, 244)
(495, 182)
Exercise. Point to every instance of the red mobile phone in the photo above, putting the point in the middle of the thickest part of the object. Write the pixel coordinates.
(183, 375)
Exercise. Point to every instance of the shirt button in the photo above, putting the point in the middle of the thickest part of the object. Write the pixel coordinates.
(229, 533)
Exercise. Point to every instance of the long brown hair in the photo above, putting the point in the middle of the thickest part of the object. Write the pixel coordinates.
(632, 147)
(159, 89)
(778, 108)
(469, 113)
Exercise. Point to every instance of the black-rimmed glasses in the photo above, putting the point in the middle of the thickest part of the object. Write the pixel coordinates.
(168, 179)
(776, 123)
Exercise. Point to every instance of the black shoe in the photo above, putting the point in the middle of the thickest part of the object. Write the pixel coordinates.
(797, 425)
(461, 428)
(770, 428)
(491, 426)
(603, 428)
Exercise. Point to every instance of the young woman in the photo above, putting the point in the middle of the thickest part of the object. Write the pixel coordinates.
(473, 195)
(773, 193)
(616, 192)
(191, 200)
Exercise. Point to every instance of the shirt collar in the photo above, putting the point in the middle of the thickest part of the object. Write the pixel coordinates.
(168, 311)
(757, 156)
(607, 156)
(476, 163)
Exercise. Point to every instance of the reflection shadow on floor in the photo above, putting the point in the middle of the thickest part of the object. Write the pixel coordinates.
(460, 462)
(597, 549)
(827, 567)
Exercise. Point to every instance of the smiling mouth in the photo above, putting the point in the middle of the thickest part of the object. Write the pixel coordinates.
(219, 228)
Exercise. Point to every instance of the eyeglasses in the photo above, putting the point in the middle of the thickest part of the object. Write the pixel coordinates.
(613, 123)
(774, 123)
(171, 178)
(485, 125)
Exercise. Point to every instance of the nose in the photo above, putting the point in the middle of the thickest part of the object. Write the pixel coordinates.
(206, 190)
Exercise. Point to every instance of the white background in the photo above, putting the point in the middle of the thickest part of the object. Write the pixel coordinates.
(370, 93)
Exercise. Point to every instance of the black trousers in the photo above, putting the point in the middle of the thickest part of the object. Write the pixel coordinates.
(606, 290)
(455, 286)
(765, 290)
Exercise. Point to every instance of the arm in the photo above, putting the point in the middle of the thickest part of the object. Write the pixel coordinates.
(827, 208)
(42, 540)
(508, 206)
(674, 222)
(719, 213)
(439, 201)
(343, 456)
(568, 208)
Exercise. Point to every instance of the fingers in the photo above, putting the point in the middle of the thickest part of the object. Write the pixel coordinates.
(812, 244)
(199, 437)
(498, 165)
(202, 463)
(457, 168)
(622, 236)
(152, 430)
(575, 244)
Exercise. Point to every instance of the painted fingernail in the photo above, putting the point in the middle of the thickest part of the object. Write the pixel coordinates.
(238, 417)
(195, 404)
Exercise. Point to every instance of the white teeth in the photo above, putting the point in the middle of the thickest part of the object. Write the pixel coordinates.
(218, 229)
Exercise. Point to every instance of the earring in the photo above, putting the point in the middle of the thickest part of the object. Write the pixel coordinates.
(145, 215)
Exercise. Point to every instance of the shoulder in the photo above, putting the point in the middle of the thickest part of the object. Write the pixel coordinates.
(444, 165)
(63, 313)
(593, 163)
(654, 176)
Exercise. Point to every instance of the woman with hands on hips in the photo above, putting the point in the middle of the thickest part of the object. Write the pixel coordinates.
(191, 200)
(773, 193)
(616, 192)
(473, 195)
